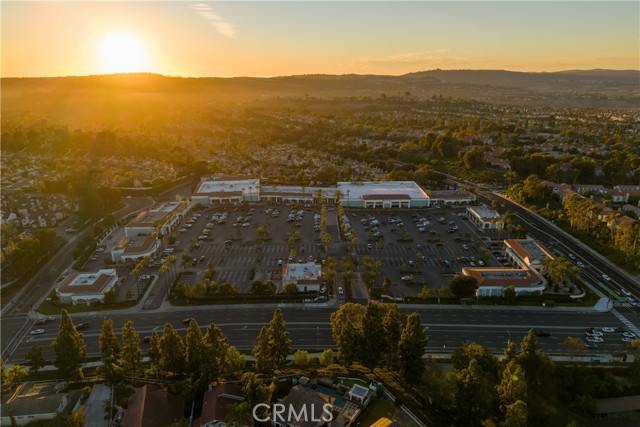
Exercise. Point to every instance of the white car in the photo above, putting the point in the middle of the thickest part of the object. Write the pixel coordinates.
(605, 277)
(407, 278)
(595, 339)
(629, 335)
(608, 329)
(593, 333)
(37, 332)
(340, 290)
(625, 292)
(580, 264)
(627, 339)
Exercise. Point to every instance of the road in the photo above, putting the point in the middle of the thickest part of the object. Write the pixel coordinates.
(549, 233)
(15, 315)
(309, 328)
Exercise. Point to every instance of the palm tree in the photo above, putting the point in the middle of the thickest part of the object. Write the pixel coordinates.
(238, 414)
(14, 375)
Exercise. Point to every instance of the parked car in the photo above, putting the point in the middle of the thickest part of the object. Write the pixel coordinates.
(542, 333)
(590, 345)
(595, 339)
(37, 332)
(608, 329)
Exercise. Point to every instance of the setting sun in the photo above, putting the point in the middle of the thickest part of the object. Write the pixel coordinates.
(122, 52)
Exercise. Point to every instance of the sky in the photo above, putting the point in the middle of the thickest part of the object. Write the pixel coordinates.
(266, 38)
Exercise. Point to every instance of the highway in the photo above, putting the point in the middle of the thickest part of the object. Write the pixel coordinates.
(15, 314)
(310, 328)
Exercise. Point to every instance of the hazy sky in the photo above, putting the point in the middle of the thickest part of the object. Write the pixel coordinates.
(264, 38)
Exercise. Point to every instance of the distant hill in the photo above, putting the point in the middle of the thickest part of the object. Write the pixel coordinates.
(120, 95)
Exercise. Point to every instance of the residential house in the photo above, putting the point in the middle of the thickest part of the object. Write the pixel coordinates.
(153, 406)
(215, 403)
(37, 401)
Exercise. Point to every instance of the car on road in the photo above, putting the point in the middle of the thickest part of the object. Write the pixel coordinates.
(146, 339)
(590, 345)
(44, 320)
(608, 329)
(625, 292)
(340, 290)
(595, 339)
(412, 263)
(81, 326)
(37, 332)
(580, 264)
(542, 333)
(228, 242)
(145, 277)
(369, 246)
(605, 277)
(188, 320)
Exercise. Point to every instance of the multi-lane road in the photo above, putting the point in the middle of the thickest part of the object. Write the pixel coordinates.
(310, 328)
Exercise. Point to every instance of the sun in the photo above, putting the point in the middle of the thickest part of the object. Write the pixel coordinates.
(122, 52)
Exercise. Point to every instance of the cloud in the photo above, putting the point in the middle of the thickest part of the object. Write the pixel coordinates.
(205, 11)
(402, 59)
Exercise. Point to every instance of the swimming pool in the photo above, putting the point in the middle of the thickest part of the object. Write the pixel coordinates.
(331, 392)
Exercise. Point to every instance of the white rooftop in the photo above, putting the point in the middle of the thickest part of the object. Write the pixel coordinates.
(484, 212)
(356, 190)
(88, 279)
(229, 186)
(301, 271)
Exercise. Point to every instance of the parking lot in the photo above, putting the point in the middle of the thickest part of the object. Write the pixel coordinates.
(423, 247)
(246, 243)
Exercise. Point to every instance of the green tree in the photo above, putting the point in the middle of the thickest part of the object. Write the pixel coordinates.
(392, 325)
(326, 358)
(216, 349)
(516, 415)
(290, 288)
(301, 358)
(238, 414)
(34, 358)
(14, 375)
(539, 375)
(154, 352)
(411, 349)
(108, 341)
(254, 389)
(463, 286)
(513, 386)
(194, 349)
(171, 350)
(474, 394)
(279, 341)
(262, 351)
(572, 345)
(510, 295)
(234, 361)
(373, 335)
(69, 348)
(131, 354)
(346, 326)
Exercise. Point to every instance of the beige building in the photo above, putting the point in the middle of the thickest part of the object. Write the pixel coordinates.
(87, 288)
